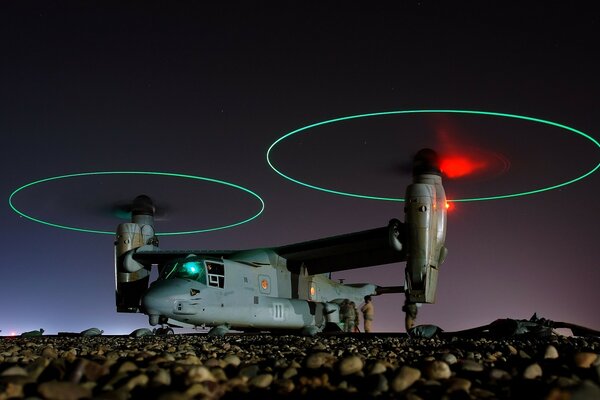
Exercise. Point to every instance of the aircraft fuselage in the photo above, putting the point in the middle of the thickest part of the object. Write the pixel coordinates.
(246, 295)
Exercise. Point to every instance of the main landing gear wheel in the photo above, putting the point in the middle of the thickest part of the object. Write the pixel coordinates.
(166, 330)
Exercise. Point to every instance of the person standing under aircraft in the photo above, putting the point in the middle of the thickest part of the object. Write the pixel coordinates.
(355, 325)
(368, 311)
(411, 310)
(347, 315)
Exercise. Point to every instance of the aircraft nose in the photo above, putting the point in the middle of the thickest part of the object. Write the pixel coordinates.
(159, 299)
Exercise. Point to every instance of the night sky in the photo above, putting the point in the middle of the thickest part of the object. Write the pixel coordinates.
(205, 89)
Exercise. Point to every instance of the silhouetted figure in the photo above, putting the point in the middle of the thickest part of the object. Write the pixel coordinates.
(410, 316)
(347, 315)
(368, 311)
(355, 325)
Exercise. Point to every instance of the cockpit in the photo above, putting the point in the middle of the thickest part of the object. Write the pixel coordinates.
(207, 272)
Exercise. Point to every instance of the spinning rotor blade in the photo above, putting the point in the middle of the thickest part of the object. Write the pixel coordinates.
(423, 161)
(467, 162)
(401, 168)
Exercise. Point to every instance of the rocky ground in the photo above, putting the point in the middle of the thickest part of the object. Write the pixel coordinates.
(264, 366)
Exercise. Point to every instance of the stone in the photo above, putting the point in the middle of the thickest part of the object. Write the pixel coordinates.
(551, 353)
(49, 352)
(94, 371)
(585, 359)
(438, 370)
(532, 371)
(318, 359)
(471, 365)
(138, 380)
(499, 374)
(237, 382)
(457, 384)
(249, 371)
(558, 394)
(69, 355)
(127, 366)
(199, 374)
(289, 373)
(281, 363)
(219, 374)
(479, 393)
(567, 382)
(212, 362)
(377, 368)
(191, 360)
(378, 384)
(164, 358)
(261, 381)
(58, 390)
(284, 386)
(320, 347)
(112, 357)
(161, 378)
(35, 369)
(197, 390)
(449, 358)
(15, 370)
(588, 390)
(12, 390)
(232, 359)
(350, 365)
(405, 378)
(523, 354)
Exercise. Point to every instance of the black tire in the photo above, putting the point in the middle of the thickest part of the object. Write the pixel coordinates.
(165, 331)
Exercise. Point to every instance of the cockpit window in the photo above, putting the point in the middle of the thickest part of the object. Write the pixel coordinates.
(186, 268)
(216, 274)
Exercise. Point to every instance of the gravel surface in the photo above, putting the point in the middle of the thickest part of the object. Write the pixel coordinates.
(263, 366)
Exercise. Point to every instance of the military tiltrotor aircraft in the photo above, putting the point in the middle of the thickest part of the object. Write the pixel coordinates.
(286, 287)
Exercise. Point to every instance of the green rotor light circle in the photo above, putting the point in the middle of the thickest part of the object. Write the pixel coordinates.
(168, 174)
(486, 113)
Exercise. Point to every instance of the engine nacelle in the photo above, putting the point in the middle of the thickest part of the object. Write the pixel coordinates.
(131, 277)
(425, 234)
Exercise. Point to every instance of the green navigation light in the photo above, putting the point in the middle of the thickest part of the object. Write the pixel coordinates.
(191, 267)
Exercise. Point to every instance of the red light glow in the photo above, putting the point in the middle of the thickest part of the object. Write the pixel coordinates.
(459, 166)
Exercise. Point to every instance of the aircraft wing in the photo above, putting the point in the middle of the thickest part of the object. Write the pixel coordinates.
(354, 250)
(162, 256)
